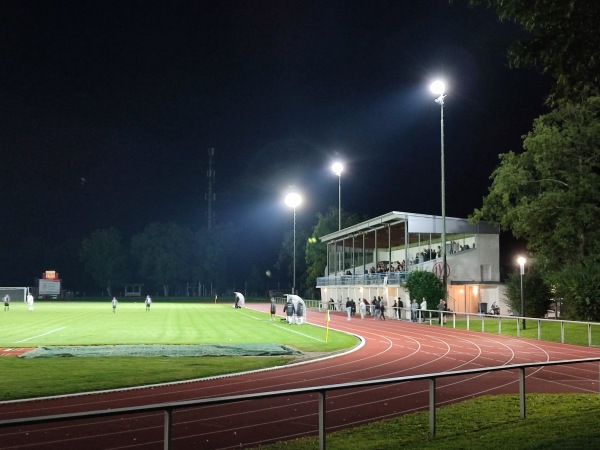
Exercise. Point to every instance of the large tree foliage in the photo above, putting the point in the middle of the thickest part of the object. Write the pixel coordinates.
(422, 284)
(162, 252)
(550, 194)
(579, 284)
(103, 257)
(537, 296)
(315, 250)
(563, 41)
(211, 256)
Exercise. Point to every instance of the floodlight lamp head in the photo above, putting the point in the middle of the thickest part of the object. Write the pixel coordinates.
(438, 87)
(337, 168)
(293, 199)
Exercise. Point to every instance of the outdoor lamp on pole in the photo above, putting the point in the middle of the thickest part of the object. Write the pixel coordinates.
(338, 168)
(438, 88)
(293, 200)
(521, 260)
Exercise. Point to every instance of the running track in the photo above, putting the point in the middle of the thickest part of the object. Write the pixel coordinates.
(391, 348)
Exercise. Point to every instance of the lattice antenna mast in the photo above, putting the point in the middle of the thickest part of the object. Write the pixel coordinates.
(211, 196)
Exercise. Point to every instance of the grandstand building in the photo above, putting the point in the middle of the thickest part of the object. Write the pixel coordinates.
(376, 257)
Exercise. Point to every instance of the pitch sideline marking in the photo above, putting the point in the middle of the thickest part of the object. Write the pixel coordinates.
(301, 334)
(40, 335)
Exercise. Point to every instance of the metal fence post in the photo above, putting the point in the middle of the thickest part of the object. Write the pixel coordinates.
(322, 412)
(432, 407)
(522, 391)
(168, 428)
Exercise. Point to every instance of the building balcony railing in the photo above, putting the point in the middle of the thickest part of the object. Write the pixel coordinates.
(375, 279)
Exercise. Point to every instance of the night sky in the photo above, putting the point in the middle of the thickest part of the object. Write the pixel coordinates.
(109, 108)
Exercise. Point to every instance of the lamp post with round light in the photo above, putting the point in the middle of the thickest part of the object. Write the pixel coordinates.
(293, 200)
(438, 88)
(338, 168)
(521, 260)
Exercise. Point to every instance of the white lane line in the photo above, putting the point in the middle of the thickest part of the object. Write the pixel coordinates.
(301, 334)
(40, 335)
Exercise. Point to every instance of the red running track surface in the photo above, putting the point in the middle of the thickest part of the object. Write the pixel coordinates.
(391, 349)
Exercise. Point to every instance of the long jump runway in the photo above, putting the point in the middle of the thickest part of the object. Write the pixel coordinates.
(391, 349)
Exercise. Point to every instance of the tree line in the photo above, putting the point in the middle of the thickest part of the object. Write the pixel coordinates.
(548, 192)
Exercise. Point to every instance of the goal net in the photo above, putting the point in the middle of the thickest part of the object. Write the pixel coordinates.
(15, 293)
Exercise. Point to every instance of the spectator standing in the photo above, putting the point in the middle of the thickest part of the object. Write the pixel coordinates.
(368, 306)
(441, 308)
(377, 307)
(414, 310)
(423, 309)
(362, 308)
(348, 308)
(289, 311)
(299, 313)
(273, 308)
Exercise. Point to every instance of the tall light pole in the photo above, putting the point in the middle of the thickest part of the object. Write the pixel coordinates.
(438, 88)
(338, 168)
(293, 200)
(521, 260)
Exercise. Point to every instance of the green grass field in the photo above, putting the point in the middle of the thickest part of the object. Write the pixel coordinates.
(574, 333)
(94, 323)
(81, 323)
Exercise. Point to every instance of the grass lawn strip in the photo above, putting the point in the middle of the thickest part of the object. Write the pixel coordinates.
(554, 421)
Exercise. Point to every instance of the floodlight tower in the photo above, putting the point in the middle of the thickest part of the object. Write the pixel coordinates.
(293, 200)
(338, 168)
(210, 196)
(438, 88)
(521, 260)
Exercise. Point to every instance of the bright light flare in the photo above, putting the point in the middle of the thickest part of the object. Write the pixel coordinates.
(293, 199)
(438, 87)
(337, 168)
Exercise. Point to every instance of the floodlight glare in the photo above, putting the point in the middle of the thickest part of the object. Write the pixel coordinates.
(293, 199)
(337, 168)
(437, 87)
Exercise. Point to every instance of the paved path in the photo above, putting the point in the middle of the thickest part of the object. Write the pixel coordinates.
(391, 348)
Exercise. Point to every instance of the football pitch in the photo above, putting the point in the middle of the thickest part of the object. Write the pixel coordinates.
(58, 323)
(95, 323)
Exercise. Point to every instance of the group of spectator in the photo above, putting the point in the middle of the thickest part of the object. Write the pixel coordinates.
(428, 254)
(382, 267)
(418, 313)
(377, 309)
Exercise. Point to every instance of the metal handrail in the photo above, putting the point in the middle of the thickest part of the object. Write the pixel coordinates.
(432, 313)
(169, 407)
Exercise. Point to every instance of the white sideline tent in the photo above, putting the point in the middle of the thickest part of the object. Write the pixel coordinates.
(296, 300)
(239, 299)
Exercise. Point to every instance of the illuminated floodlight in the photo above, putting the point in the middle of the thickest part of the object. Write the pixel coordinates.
(293, 199)
(337, 168)
(438, 87)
